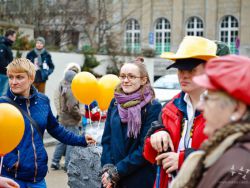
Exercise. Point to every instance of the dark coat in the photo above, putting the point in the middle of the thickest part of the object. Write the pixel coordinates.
(30, 154)
(42, 74)
(6, 55)
(126, 153)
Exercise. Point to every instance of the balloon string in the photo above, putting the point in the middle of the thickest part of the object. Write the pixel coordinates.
(99, 120)
(90, 122)
(1, 165)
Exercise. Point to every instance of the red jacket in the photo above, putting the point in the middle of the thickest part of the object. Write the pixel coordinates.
(171, 118)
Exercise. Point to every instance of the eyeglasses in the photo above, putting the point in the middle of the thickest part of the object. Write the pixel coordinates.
(130, 77)
(204, 97)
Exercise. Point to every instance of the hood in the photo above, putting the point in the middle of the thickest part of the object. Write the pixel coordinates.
(6, 41)
(72, 66)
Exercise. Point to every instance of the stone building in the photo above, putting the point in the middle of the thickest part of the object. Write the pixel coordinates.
(139, 25)
(162, 24)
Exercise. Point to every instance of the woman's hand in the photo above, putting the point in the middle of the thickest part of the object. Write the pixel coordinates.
(106, 182)
(169, 161)
(160, 141)
(8, 183)
(89, 139)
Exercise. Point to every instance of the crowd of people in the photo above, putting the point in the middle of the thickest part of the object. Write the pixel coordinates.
(204, 130)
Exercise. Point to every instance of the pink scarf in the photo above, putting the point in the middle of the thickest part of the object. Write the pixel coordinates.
(132, 114)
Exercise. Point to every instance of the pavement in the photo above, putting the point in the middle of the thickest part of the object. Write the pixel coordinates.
(59, 178)
(55, 178)
(49, 140)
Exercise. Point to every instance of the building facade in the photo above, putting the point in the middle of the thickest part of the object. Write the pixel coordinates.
(162, 24)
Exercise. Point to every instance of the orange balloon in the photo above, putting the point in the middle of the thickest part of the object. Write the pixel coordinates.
(106, 86)
(84, 87)
(11, 128)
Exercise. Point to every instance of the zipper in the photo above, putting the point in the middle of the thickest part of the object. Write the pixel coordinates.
(33, 142)
(17, 164)
(189, 132)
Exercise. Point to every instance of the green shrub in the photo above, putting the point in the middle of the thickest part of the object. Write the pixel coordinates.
(148, 52)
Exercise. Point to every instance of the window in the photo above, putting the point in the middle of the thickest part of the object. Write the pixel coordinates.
(162, 36)
(132, 38)
(194, 27)
(229, 29)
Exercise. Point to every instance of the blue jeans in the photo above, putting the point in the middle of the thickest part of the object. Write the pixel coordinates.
(3, 84)
(62, 149)
(25, 184)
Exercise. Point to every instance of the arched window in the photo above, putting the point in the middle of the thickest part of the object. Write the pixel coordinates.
(229, 29)
(162, 36)
(194, 27)
(132, 38)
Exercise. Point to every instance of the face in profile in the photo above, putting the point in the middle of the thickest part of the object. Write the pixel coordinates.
(130, 77)
(217, 108)
(186, 78)
(12, 37)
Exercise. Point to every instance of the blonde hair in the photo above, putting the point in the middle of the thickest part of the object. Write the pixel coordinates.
(21, 65)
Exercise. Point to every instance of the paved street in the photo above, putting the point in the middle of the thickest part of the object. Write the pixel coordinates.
(55, 178)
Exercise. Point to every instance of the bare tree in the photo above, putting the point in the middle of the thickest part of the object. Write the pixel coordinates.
(63, 21)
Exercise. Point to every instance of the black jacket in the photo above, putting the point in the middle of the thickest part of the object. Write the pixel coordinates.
(42, 74)
(6, 55)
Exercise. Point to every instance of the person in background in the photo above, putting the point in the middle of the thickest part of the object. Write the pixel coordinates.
(8, 183)
(71, 66)
(129, 117)
(43, 64)
(223, 160)
(179, 130)
(69, 114)
(6, 57)
(27, 163)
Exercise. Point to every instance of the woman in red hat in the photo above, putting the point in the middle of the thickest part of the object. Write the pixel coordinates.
(224, 158)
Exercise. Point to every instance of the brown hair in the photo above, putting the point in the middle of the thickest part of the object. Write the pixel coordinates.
(139, 62)
(10, 32)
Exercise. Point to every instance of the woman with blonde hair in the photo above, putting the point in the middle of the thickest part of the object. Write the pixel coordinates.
(27, 163)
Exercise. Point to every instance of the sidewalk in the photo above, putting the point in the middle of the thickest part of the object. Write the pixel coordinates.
(48, 140)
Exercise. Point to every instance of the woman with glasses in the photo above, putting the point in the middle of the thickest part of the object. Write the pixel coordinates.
(129, 117)
(224, 158)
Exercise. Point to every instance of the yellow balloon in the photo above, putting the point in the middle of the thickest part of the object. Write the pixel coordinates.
(106, 85)
(84, 87)
(11, 128)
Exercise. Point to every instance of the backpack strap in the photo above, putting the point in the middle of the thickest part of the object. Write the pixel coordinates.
(24, 113)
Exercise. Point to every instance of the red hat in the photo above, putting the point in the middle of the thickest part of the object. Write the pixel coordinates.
(230, 74)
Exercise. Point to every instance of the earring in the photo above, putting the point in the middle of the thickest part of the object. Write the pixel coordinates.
(232, 118)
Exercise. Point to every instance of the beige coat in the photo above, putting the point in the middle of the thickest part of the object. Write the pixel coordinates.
(228, 165)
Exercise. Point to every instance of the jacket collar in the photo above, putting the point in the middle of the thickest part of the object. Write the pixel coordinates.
(182, 105)
(6, 41)
(33, 92)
